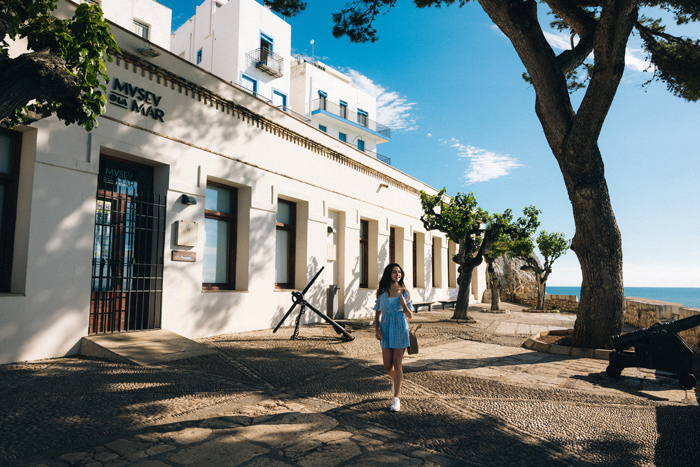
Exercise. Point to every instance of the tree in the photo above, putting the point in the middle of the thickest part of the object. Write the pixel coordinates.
(474, 231)
(603, 29)
(551, 246)
(63, 72)
(504, 246)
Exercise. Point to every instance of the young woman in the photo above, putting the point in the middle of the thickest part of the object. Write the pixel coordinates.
(392, 312)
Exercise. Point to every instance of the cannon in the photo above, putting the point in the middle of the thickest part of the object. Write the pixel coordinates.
(658, 347)
(298, 299)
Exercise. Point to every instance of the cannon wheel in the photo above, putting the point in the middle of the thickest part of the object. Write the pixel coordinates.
(613, 371)
(688, 381)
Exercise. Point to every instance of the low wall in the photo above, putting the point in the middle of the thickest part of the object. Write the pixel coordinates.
(642, 313)
(568, 303)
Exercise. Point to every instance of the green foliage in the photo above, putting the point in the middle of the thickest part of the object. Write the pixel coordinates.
(286, 7)
(81, 42)
(551, 247)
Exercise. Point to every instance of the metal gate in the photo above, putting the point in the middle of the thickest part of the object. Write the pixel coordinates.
(127, 265)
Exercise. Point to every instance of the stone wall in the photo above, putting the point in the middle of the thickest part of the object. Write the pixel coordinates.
(568, 303)
(691, 336)
(642, 313)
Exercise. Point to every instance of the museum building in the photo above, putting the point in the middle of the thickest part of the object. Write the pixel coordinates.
(197, 205)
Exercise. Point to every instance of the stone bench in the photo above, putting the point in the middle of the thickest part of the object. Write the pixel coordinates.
(450, 303)
(427, 305)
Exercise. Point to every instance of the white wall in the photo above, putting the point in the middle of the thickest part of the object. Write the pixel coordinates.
(150, 12)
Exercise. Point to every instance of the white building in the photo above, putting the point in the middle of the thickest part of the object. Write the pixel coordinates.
(334, 105)
(195, 207)
(146, 18)
(242, 42)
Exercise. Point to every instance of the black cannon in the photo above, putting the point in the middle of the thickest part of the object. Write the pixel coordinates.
(298, 299)
(657, 347)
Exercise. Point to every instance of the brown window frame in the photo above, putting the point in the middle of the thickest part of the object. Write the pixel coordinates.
(9, 210)
(291, 253)
(392, 244)
(364, 254)
(232, 220)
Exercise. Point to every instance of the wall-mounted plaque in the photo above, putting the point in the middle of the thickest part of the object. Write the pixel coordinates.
(187, 256)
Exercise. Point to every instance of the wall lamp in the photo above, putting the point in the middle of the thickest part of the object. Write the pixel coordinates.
(331, 230)
(149, 52)
(383, 185)
(188, 200)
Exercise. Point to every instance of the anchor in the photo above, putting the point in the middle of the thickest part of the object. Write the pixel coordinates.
(298, 299)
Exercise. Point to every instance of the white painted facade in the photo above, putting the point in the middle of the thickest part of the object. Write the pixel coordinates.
(132, 15)
(341, 115)
(192, 129)
(224, 38)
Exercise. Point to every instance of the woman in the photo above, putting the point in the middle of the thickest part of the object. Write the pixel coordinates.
(392, 312)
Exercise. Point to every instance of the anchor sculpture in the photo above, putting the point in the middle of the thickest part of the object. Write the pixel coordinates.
(298, 299)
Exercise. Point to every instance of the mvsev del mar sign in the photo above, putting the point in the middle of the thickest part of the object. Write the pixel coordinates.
(136, 99)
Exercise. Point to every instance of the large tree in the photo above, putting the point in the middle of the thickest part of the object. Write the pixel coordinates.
(474, 231)
(603, 28)
(63, 70)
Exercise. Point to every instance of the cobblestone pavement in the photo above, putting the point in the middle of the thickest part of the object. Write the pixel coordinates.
(472, 396)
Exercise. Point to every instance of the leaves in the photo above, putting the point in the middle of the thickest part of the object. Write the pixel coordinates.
(81, 42)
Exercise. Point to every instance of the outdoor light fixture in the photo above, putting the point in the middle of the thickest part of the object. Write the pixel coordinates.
(149, 52)
(188, 200)
(331, 230)
(383, 185)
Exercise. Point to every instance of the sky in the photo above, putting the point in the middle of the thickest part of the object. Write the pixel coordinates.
(449, 84)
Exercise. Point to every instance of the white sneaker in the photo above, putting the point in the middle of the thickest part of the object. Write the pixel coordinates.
(395, 404)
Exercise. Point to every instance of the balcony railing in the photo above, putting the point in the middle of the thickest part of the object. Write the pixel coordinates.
(385, 159)
(267, 61)
(352, 117)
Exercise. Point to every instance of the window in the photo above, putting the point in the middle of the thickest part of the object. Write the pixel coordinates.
(265, 48)
(322, 100)
(343, 109)
(418, 260)
(199, 56)
(322, 128)
(220, 224)
(451, 265)
(286, 239)
(392, 245)
(141, 29)
(249, 84)
(343, 137)
(437, 262)
(279, 100)
(360, 145)
(362, 117)
(9, 175)
(364, 254)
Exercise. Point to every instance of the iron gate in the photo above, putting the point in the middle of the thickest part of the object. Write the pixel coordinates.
(127, 265)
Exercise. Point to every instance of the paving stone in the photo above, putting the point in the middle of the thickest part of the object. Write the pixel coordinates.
(224, 451)
(287, 430)
(128, 449)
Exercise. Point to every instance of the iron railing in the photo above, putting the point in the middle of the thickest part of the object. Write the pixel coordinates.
(353, 117)
(267, 61)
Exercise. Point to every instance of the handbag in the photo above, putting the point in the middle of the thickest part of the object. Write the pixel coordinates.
(413, 340)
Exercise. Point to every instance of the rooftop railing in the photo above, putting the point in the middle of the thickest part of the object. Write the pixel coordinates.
(267, 61)
(355, 118)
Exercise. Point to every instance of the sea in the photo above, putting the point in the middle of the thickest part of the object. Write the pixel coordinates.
(687, 296)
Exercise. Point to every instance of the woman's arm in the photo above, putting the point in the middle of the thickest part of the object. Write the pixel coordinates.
(377, 332)
(404, 304)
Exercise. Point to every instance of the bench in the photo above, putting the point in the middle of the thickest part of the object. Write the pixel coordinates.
(450, 303)
(427, 305)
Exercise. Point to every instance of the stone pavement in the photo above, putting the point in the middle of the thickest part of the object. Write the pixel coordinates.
(472, 396)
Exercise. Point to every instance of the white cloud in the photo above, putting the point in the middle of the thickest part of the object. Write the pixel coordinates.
(634, 58)
(483, 165)
(393, 109)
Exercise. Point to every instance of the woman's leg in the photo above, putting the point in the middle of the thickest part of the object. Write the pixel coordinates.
(388, 359)
(397, 364)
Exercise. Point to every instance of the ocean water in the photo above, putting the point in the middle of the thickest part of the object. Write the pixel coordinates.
(688, 296)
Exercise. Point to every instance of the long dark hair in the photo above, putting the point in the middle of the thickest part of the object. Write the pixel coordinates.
(385, 281)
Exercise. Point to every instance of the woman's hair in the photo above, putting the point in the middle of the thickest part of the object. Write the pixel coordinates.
(385, 281)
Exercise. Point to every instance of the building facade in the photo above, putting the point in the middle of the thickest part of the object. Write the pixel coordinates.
(195, 207)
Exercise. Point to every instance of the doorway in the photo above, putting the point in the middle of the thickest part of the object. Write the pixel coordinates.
(127, 264)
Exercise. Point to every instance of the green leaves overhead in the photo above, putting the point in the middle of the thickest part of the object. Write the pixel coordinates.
(80, 42)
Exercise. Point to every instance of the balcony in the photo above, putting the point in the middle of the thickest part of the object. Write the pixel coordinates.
(266, 61)
(359, 121)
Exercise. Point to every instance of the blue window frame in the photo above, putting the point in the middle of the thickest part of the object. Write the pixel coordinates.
(279, 100)
(343, 137)
(362, 117)
(199, 56)
(323, 128)
(250, 84)
(344, 109)
(266, 42)
(322, 100)
(361, 145)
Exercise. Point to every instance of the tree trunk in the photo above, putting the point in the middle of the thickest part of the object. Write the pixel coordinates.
(464, 280)
(494, 285)
(540, 293)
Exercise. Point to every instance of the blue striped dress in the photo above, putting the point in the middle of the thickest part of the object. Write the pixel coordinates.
(393, 323)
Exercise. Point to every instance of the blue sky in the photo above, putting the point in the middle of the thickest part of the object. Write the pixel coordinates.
(449, 84)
